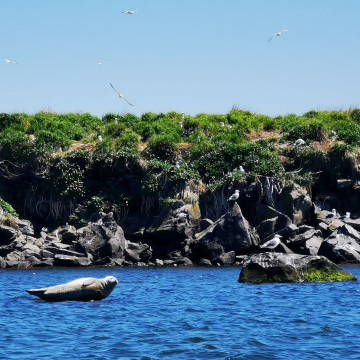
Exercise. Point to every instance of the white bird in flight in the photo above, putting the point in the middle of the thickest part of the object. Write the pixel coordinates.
(9, 61)
(121, 96)
(277, 34)
(130, 12)
(234, 196)
(273, 243)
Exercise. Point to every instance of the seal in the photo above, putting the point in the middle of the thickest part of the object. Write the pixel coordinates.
(84, 289)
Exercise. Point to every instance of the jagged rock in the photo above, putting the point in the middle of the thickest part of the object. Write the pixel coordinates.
(14, 258)
(72, 261)
(178, 224)
(61, 251)
(341, 248)
(204, 262)
(6, 249)
(7, 235)
(306, 243)
(304, 228)
(138, 252)
(183, 261)
(266, 227)
(159, 262)
(228, 258)
(178, 259)
(33, 261)
(205, 223)
(25, 226)
(324, 228)
(231, 232)
(288, 231)
(268, 214)
(275, 267)
(45, 254)
(134, 226)
(67, 234)
(296, 203)
(2, 263)
(102, 238)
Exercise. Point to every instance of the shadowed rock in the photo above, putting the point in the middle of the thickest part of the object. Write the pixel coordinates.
(276, 267)
(231, 232)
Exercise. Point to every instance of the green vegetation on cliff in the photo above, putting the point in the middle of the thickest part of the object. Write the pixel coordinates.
(64, 165)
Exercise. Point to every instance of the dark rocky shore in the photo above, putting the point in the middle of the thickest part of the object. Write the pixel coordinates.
(180, 236)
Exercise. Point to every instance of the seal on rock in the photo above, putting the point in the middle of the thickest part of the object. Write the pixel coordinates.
(84, 289)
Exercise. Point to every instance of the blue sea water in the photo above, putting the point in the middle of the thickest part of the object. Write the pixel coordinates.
(179, 313)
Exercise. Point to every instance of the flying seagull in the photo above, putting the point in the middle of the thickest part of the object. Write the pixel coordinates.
(130, 12)
(273, 243)
(121, 96)
(277, 34)
(9, 61)
(234, 196)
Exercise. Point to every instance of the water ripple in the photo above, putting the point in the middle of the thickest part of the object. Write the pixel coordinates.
(180, 314)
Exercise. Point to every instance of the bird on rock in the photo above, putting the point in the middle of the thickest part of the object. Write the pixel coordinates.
(273, 243)
(234, 196)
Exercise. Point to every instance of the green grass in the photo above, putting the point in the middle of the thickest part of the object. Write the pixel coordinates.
(62, 157)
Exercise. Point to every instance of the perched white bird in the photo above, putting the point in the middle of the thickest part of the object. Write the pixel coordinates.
(222, 124)
(130, 12)
(278, 34)
(100, 138)
(346, 217)
(177, 165)
(273, 243)
(121, 96)
(180, 125)
(241, 170)
(116, 120)
(229, 126)
(234, 196)
(299, 142)
(9, 61)
(333, 213)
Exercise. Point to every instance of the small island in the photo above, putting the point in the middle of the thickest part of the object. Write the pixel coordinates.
(278, 267)
(179, 190)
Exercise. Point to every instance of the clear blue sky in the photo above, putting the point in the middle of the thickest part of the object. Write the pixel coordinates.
(189, 56)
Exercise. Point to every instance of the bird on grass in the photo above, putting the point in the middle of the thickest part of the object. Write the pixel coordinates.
(273, 243)
(299, 142)
(278, 34)
(234, 196)
(121, 96)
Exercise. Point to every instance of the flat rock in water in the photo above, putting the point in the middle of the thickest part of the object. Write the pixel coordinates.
(278, 267)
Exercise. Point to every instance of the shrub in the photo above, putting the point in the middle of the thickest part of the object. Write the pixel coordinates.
(348, 131)
(128, 139)
(163, 147)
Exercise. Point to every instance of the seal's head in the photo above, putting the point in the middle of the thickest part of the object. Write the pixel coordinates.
(109, 283)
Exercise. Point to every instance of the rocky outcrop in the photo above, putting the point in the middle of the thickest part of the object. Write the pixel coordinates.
(231, 232)
(276, 267)
(179, 236)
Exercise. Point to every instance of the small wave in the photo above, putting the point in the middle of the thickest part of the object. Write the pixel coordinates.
(197, 339)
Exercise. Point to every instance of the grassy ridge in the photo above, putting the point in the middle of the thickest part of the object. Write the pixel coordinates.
(75, 163)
